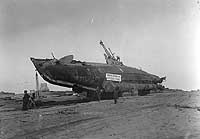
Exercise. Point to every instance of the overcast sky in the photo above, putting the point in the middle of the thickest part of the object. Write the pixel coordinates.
(160, 36)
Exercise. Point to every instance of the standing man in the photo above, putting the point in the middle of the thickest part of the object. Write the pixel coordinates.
(25, 100)
(115, 94)
(98, 92)
(32, 100)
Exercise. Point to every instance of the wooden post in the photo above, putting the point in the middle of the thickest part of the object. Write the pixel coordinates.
(37, 86)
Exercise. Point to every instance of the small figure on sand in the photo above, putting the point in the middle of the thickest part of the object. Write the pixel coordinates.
(25, 100)
(28, 101)
(115, 94)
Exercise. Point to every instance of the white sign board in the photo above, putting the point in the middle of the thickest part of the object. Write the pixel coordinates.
(113, 77)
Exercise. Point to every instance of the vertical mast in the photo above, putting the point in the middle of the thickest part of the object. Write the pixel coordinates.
(37, 85)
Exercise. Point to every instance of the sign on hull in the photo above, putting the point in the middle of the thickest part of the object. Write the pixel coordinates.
(113, 77)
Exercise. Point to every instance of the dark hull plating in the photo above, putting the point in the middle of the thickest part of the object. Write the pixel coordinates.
(90, 75)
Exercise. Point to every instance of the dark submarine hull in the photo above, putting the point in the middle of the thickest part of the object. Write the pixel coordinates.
(86, 76)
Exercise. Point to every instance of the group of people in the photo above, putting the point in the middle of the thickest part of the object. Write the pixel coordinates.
(28, 101)
(115, 93)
